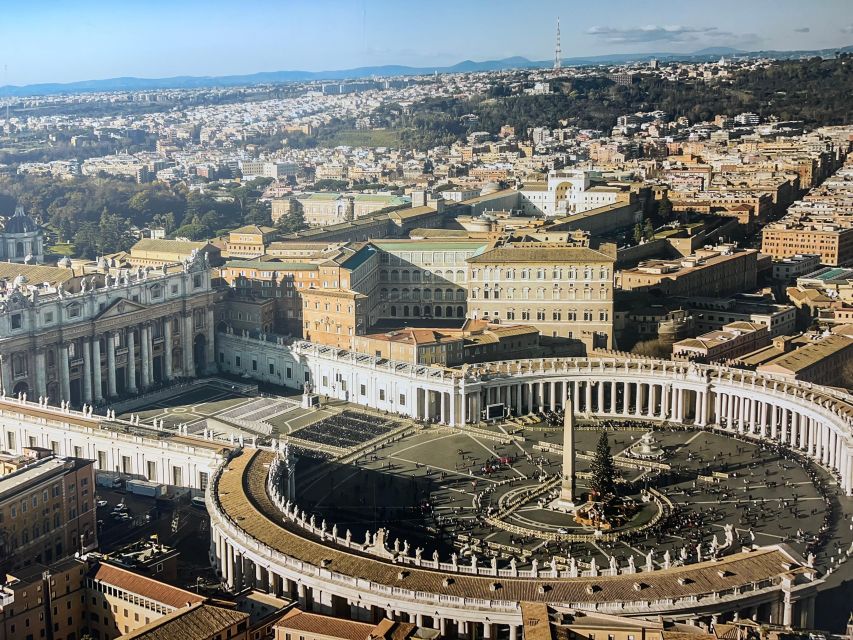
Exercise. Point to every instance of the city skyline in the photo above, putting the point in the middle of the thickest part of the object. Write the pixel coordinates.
(160, 39)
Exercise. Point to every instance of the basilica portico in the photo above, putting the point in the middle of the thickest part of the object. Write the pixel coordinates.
(122, 334)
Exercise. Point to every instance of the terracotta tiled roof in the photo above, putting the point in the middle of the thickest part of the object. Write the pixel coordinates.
(146, 587)
(297, 620)
(199, 621)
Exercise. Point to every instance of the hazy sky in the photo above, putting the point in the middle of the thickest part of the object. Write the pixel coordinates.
(67, 40)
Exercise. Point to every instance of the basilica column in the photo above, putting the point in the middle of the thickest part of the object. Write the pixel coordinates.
(41, 371)
(189, 369)
(211, 344)
(601, 407)
(131, 361)
(96, 369)
(64, 373)
(167, 348)
(145, 355)
(87, 371)
(613, 387)
(588, 397)
(626, 399)
(111, 363)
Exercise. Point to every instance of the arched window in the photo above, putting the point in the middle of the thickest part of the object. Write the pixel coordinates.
(438, 312)
(19, 250)
(393, 310)
(460, 312)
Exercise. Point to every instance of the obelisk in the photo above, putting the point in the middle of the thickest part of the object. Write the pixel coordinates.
(567, 488)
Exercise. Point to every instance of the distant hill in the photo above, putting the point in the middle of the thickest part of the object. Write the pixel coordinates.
(466, 66)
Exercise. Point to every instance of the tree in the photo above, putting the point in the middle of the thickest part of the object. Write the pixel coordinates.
(602, 470)
(115, 233)
(638, 233)
(86, 240)
(665, 209)
(293, 221)
(648, 230)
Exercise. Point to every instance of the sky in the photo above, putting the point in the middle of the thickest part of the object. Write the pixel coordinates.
(71, 40)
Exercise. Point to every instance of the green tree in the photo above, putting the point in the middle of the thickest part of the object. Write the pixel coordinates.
(665, 209)
(638, 233)
(602, 470)
(648, 230)
(115, 233)
(86, 240)
(293, 221)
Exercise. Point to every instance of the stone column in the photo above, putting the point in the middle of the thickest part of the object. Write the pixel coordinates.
(110, 337)
(613, 387)
(96, 369)
(145, 356)
(601, 408)
(588, 396)
(131, 361)
(167, 348)
(518, 402)
(87, 371)
(626, 399)
(189, 368)
(211, 342)
(64, 373)
(41, 374)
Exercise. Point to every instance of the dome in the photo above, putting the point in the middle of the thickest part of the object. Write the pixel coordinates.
(489, 187)
(20, 223)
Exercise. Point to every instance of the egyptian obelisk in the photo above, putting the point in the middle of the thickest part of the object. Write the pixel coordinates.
(567, 488)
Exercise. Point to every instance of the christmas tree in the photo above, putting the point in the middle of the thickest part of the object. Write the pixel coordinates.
(603, 471)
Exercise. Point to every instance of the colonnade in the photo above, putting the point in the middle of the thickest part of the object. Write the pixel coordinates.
(240, 568)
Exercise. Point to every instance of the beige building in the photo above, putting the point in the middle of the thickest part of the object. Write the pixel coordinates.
(833, 243)
(729, 342)
(719, 271)
(149, 252)
(47, 510)
(564, 289)
(249, 241)
(301, 625)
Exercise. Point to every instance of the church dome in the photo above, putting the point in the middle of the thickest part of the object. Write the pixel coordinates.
(20, 223)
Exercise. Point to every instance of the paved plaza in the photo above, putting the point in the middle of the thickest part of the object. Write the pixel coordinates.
(434, 488)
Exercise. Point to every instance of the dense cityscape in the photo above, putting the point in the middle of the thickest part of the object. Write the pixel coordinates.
(509, 349)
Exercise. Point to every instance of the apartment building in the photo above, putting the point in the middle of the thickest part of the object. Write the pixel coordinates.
(47, 510)
(716, 271)
(727, 343)
(563, 287)
(249, 241)
(832, 242)
(710, 314)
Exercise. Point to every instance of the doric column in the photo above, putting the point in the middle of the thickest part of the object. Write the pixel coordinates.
(40, 372)
(541, 393)
(626, 398)
(519, 404)
(167, 348)
(96, 369)
(641, 399)
(588, 396)
(664, 401)
(601, 408)
(64, 373)
(87, 371)
(453, 398)
(131, 361)
(613, 387)
(730, 419)
(110, 337)
(553, 391)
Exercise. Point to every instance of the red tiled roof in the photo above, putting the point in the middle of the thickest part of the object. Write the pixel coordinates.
(297, 620)
(143, 586)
